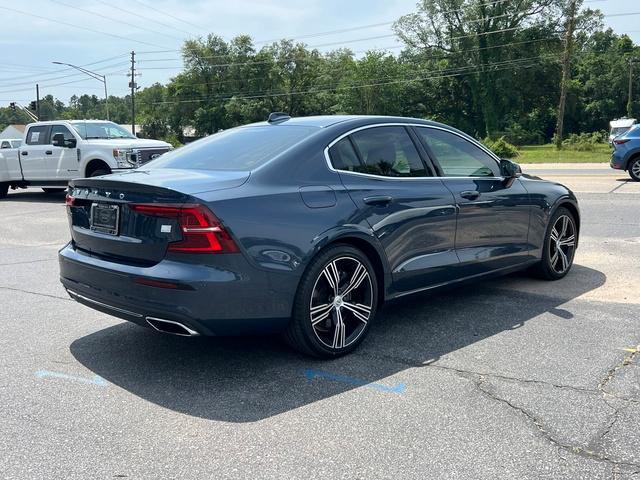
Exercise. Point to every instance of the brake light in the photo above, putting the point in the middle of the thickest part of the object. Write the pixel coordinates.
(201, 230)
(70, 201)
(620, 141)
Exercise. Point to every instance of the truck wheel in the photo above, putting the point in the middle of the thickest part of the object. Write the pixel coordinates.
(4, 189)
(634, 169)
(53, 190)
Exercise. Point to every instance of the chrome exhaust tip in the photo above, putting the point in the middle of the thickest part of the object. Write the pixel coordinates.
(171, 327)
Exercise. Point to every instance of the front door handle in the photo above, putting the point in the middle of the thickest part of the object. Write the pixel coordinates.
(48, 152)
(24, 153)
(380, 200)
(470, 194)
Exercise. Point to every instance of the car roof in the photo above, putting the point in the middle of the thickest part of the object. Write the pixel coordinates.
(623, 122)
(324, 121)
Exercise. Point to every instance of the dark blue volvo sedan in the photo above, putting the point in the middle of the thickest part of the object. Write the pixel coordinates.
(304, 226)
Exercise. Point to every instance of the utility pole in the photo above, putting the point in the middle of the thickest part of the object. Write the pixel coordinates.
(132, 84)
(630, 98)
(566, 70)
(38, 101)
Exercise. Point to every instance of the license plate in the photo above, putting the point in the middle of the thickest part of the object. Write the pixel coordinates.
(105, 218)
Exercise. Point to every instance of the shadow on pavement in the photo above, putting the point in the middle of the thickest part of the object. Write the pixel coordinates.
(35, 196)
(250, 379)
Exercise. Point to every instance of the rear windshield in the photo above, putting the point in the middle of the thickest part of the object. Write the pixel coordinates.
(242, 149)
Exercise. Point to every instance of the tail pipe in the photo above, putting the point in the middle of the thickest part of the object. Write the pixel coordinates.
(171, 327)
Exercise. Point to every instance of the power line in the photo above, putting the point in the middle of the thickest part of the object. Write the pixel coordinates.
(154, 20)
(444, 73)
(55, 72)
(60, 22)
(58, 77)
(433, 57)
(118, 20)
(146, 5)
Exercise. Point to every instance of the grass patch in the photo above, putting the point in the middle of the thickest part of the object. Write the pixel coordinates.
(549, 154)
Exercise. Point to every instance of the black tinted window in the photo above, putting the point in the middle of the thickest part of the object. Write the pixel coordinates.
(344, 157)
(242, 149)
(5, 144)
(55, 129)
(458, 157)
(37, 135)
(388, 152)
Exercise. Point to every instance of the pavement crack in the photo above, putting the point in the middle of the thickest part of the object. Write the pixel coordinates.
(480, 382)
(35, 293)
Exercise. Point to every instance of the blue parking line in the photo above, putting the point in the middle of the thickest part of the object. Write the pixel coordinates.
(96, 380)
(312, 374)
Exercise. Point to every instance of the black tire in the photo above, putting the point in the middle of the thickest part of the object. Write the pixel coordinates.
(553, 267)
(99, 172)
(634, 169)
(4, 189)
(53, 190)
(341, 321)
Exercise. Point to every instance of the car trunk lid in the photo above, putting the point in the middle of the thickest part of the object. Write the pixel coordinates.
(104, 221)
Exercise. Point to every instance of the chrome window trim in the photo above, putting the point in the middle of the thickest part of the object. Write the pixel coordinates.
(327, 157)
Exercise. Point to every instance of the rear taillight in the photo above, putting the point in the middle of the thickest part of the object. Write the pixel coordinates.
(69, 200)
(620, 141)
(201, 231)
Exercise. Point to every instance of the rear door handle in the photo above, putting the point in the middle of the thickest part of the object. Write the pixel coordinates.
(48, 152)
(470, 194)
(380, 200)
(24, 153)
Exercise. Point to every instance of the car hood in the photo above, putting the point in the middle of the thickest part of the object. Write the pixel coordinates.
(128, 143)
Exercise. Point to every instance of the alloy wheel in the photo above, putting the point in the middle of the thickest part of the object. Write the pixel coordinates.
(562, 244)
(341, 302)
(635, 169)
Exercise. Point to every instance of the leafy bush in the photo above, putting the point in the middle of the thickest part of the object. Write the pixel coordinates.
(519, 135)
(584, 142)
(501, 147)
(173, 140)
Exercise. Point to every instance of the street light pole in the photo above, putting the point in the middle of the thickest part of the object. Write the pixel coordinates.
(95, 75)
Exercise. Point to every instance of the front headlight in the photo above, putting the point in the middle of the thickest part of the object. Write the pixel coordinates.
(124, 157)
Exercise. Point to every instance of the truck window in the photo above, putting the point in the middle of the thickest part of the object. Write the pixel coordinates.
(5, 144)
(37, 135)
(60, 129)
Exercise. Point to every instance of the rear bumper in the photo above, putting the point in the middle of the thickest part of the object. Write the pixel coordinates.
(233, 298)
(618, 161)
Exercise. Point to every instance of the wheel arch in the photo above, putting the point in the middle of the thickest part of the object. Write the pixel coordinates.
(571, 205)
(95, 164)
(369, 245)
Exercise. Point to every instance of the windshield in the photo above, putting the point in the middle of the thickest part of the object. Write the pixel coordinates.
(106, 130)
(241, 149)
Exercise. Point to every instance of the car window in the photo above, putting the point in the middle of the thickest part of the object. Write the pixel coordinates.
(55, 129)
(344, 157)
(37, 135)
(5, 144)
(388, 152)
(457, 156)
(16, 143)
(242, 149)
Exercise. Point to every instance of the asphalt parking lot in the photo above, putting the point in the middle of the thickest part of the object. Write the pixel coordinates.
(510, 378)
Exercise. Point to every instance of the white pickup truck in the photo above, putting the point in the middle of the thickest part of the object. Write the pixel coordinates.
(52, 153)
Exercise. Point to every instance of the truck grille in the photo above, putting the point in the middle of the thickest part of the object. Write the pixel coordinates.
(143, 155)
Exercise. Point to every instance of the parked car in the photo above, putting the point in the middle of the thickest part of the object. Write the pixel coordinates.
(626, 153)
(620, 126)
(52, 153)
(305, 226)
(10, 143)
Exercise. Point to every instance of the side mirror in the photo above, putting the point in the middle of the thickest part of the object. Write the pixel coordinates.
(70, 143)
(510, 171)
(58, 140)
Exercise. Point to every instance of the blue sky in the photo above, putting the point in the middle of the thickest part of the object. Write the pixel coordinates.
(31, 40)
